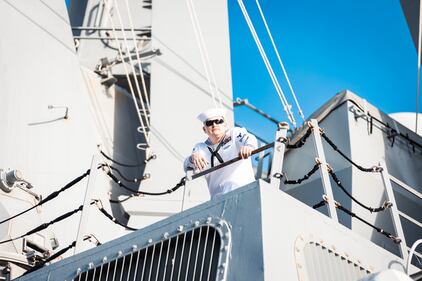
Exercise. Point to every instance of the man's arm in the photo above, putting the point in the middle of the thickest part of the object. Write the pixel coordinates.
(246, 142)
(196, 160)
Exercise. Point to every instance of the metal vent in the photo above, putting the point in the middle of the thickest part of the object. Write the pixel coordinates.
(187, 256)
(322, 264)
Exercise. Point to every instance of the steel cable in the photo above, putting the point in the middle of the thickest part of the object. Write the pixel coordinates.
(386, 204)
(395, 239)
(50, 197)
(113, 219)
(46, 225)
(305, 177)
(300, 142)
(181, 183)
(330, 142)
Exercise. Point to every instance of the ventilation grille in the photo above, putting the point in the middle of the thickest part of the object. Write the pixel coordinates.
(188, 256)
(323, 264)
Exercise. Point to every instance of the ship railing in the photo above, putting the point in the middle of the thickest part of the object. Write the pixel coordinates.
(398, 214)
(275, 178)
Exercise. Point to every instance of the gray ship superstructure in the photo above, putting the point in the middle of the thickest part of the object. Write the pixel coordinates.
(93, 111)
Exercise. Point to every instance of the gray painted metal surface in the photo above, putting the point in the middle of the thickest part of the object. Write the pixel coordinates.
(277, 243)
(367, 143)
(57, 110)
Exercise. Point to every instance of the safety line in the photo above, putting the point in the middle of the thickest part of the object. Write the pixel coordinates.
(45, 225)
(329, 141)
(394, 238)
(181, 183)
(386, 204)
(113, 219)
(305, 177)
(153, 156)
(50, 197)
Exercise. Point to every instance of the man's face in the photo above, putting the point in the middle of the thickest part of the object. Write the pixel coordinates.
(215, 126)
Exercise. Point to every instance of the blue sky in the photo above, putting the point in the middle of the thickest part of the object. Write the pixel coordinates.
(326, 46)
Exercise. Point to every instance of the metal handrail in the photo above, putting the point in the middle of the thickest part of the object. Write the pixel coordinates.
(229, 162)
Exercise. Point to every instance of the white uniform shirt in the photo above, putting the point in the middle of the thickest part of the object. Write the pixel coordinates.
(232, 176)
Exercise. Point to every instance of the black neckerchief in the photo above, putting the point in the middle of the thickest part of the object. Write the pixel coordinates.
(215, 152)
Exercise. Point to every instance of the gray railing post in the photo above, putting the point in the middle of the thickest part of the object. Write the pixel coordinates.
(87, 202)
(189, 174)
(394, 211)
(278, 154)
(260, 166)
(323, 169)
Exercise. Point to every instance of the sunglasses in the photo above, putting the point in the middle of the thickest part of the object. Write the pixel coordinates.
(209, 123)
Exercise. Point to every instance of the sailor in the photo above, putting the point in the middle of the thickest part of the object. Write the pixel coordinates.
(222, 145)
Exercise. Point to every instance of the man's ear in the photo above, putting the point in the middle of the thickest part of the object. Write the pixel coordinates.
(203, 129)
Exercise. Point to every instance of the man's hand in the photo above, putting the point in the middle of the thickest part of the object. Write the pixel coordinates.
(245, 151)
(199, 161)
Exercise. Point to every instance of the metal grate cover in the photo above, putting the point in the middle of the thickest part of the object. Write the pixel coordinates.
(190, 255)
(323, 264)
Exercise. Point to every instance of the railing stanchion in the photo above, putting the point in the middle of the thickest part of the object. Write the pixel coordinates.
(87, 201)
(324, 170)
(189, 174)
(394, 211)
(278, 154)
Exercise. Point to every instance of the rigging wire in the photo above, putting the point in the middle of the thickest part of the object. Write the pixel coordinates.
(131, 64)
(204, 53)
(279, 60)
(46, 225)
(49, 197)
(286, 105)
(138, 58)
(144, 131)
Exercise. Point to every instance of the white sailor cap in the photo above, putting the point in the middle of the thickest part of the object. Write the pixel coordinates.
(210, 113)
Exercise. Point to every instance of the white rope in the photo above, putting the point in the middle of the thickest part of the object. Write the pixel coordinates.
(286, 105)
(201, 37)
(131, 64)
(279, 59)
(127, 74)
(138, 58)
(200, 47)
